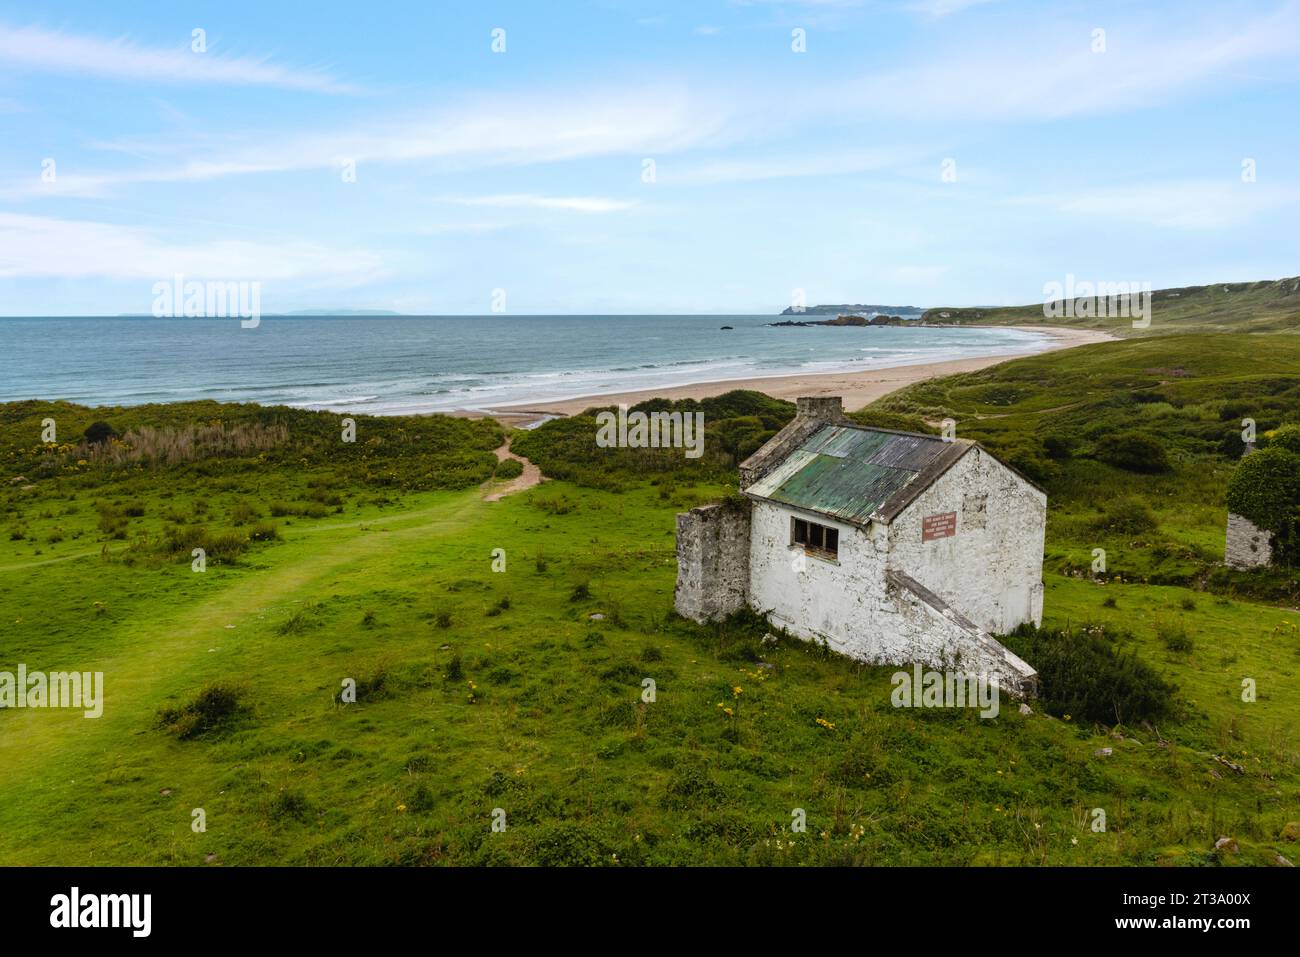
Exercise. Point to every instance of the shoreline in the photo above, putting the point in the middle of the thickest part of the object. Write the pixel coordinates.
(857, 388)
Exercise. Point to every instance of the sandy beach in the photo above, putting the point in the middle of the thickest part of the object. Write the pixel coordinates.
(857, 388)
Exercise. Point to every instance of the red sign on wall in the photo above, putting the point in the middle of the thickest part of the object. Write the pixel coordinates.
(942, 525)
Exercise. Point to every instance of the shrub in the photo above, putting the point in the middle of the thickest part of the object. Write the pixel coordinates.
(1127, 515)
(509, 468)
(1133, 451)
(212, 708)
(99, 432)
(1286, 437)
(1265, 488)
(1081, 674)
(580, 592)
(264, 532)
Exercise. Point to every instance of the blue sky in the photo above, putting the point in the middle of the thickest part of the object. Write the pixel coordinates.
(524, 170)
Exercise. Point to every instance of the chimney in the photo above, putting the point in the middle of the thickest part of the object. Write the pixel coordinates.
(826, 409)
(811, 413)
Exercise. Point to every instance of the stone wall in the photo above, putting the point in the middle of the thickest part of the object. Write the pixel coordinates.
(1247, 545)
(947, 640)
(712, 561)
(991, 568)
(861, 609)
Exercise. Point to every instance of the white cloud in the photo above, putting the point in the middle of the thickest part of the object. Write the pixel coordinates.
(936, 9)
(517, 130)
(57, 52)
(574, 204)
(43, 247)
(1046, 75)
(1191, 204)
(778, 167)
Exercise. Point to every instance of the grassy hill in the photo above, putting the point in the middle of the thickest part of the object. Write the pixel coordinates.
(520, 688)
(1265, 306)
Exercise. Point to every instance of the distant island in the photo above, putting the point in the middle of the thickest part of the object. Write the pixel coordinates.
(848, 321)
(341, 312)
(908, 312)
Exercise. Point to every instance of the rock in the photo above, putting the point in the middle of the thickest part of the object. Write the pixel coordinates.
(596, 616)
(770, 639)
(165, 792)
(1104, 752)
(210, 859)
(1227, 844)
(17, 479)
(444, 647)
(1291, 831)
(1025, 709)
(1281, 861)
(766, 666)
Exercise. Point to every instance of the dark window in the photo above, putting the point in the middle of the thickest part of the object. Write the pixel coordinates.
(816, 538)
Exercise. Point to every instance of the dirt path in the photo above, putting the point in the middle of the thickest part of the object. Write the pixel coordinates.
(531, 476)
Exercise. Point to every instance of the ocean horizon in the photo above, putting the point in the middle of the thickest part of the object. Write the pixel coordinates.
(396, 364)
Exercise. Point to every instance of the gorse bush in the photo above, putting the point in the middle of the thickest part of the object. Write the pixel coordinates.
(1082, 674)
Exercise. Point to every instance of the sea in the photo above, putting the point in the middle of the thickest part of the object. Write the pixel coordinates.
(391, 365)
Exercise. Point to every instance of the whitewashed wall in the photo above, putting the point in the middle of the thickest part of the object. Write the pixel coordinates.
(838, 602)
(991, 570)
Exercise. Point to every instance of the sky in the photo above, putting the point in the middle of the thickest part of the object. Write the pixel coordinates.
(628, 156)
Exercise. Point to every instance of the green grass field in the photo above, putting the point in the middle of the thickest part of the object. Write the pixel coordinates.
(1226, 307)
(521, 689)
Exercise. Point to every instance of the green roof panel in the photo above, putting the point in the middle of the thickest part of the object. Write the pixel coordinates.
(848, 472)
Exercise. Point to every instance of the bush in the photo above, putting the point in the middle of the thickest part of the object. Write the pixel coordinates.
(1265, 488)
(1080, 673)
(1133, 451)
(264, 532)
(98, 433)
(1285, 437)
(212, 708)
(1127, 516)
(508, 469)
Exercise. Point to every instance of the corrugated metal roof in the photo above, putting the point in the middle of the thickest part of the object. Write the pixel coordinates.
(849, 472)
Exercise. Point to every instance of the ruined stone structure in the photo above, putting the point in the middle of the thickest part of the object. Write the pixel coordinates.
(891, 547)
(712, 561)
(1247, 545)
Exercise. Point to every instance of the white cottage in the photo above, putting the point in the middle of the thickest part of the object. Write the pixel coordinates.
(892, 547)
